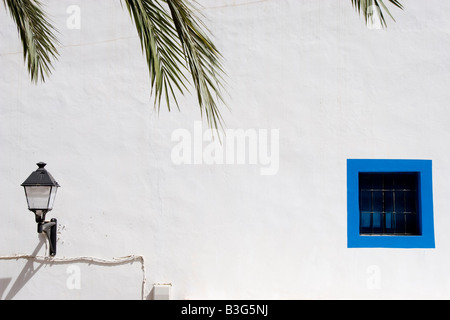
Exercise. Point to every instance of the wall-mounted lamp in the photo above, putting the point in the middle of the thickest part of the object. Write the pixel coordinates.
(40, 190)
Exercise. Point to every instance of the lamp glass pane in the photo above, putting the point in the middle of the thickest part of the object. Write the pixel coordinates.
(38, 197)
(52, 198)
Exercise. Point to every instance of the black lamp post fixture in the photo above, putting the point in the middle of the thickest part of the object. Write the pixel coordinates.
(40, 190)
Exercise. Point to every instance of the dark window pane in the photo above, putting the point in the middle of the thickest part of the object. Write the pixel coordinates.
(411, 224)
(366, 201)
(410, 181)
(410, 201)
(388, 181)
(366, 224)
(377, 224)
(388, 201)
(377, 181)
(399, 223)
(377, 203)
(389, 222)
(365, 220)
(399, 201)
(365, 181)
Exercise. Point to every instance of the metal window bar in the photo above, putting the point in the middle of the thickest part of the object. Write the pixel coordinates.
(393, 204)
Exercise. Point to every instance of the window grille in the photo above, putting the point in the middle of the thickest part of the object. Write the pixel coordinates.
(388, 203)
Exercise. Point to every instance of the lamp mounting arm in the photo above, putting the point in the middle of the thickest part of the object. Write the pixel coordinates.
(50, 229)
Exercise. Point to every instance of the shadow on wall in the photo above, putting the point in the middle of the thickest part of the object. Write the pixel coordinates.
(4, 282)
(28, 271)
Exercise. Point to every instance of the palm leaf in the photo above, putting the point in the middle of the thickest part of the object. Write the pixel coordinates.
(36, 35)
(175, 43)
(202, 57)
(160, 44)
(366, 8)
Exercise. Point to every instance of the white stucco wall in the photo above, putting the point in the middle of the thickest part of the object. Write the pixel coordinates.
(311, 70)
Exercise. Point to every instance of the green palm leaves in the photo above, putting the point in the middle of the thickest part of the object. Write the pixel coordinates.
(36, 34)
(203, 59)
(173, 39)
(369, 7)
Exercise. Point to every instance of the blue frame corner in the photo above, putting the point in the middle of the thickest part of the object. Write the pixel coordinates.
(424, 169)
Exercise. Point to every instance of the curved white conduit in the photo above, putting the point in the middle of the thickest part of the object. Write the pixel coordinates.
(93, 260)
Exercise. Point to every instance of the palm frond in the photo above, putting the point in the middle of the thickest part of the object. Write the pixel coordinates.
(175, 43)
(367, 7)
(36, 34)
(160, 44)
(202, 57)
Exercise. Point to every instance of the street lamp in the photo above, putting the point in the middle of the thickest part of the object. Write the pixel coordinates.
(40, 191)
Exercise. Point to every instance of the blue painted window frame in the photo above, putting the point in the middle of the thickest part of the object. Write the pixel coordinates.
(425, 202)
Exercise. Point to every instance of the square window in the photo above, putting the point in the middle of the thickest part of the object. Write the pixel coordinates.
(389, 204)
(387, 197)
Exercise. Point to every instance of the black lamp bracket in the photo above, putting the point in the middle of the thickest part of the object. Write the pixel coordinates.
(50, 229)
